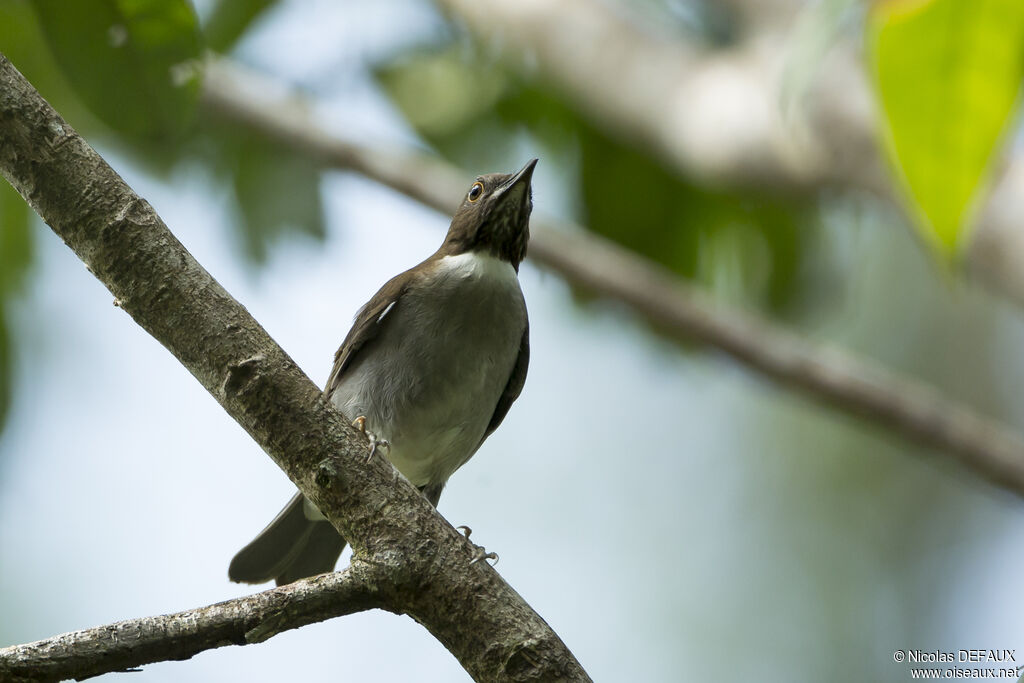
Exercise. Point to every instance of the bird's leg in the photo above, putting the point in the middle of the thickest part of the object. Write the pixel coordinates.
(360, 424)
(481, 552)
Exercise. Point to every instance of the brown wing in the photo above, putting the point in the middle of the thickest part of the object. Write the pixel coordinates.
(366, 326)
(514, 386)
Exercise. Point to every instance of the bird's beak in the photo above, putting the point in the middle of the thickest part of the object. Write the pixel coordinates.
(516, 188)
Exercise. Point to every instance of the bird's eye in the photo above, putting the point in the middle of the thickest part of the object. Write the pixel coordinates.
(475, 191)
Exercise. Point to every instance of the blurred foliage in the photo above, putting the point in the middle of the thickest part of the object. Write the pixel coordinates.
(947, 74)
(277, 190)
(710, 22)
(230, 20)
(748, 247)
(15, 243)
(134, 63)
(15, 257)
(19, 35)
(127, 73)
(817, 29)
(22, 41)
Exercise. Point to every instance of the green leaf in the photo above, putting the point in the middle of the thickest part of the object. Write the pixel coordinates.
(947, 74)
(746, 247)
(15, 239)
(134, 63)
(21, 39)
(6, 368)
(439, 92)
(15, 257)
(278, 191)
(230, 20)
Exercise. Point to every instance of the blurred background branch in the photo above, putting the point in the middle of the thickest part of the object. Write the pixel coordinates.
(913, 409)
(827, 173)
(727, 116)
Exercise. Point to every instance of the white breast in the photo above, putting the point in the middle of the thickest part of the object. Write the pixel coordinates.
(431, 387)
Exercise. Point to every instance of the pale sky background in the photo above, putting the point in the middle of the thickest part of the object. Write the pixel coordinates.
(670, 515)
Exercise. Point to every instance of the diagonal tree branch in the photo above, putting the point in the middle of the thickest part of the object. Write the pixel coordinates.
(911, 408)
(423, 565)
(244, 621)
(718, 115)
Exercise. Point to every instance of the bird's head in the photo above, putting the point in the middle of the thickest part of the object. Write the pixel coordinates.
(494, 216)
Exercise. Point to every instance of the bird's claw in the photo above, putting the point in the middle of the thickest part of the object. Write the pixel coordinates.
(375, 443)
(481, 553)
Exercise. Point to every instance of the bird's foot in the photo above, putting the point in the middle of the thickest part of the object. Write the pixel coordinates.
(375, 443)
(481, 552)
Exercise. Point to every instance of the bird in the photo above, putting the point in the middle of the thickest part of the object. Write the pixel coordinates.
(429, 369)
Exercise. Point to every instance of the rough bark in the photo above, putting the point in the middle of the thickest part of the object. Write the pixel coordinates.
(129, 644)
